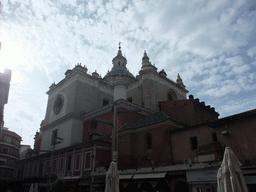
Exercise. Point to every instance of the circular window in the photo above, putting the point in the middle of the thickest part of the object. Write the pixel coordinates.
(58, 104)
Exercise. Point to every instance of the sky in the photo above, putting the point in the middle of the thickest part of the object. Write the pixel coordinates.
(211, 44)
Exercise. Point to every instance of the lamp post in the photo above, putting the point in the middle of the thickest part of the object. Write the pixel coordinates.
(1, 119)
(55, 142)
(114, 135)
(115, 128)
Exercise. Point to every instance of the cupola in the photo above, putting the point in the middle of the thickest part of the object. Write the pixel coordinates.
(95, 74)
(119, 68)
(146, 64)
(119, 61)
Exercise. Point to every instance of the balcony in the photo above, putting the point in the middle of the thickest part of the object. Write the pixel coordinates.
(209, 152)
(10, 155)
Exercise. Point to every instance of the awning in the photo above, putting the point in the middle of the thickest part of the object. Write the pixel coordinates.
(71, 179)
(202, 176)
(149, 175)
(129, 176)
(201, 183)
(250, 179)
(84, 183)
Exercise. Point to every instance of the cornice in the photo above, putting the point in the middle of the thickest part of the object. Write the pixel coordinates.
(153, 126)
(120, 103)
(61, 120)
(77, 75)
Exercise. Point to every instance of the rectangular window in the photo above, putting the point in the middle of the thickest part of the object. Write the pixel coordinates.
(16, 142)
(47, 167)
(87, 162)
(69, 161)
(54, 163)
(40, 170)
(35, 169)
(2, 162)
(61, 164)
(214, 137)
(54, 136)
(30, 170)
(149, 142)
(193, 143)
(7, 139)
(78, 156)
(5, 150)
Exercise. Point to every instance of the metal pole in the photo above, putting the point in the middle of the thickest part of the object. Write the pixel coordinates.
(114, 152)
(116, 140)
(51, 167)
(1, 119)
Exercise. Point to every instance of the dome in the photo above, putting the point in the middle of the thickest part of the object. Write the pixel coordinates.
(119, 66)
(118, 72)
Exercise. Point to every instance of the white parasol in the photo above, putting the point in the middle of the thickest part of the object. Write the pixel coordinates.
(112, 178)
(230, 177)
(36, 187)
(31, 189)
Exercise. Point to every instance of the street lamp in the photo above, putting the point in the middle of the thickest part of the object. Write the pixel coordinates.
(115, 130)
(115, 127)
(55, 142)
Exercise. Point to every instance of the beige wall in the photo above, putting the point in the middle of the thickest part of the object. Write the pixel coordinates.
(241, 139)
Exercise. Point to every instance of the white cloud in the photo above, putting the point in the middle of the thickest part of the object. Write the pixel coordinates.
(204, 41)
(252, 52)
(237, 106)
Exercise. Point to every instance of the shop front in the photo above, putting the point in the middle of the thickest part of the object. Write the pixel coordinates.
(202, 180)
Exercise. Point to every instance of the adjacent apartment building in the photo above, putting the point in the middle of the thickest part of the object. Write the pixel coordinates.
(9, 140)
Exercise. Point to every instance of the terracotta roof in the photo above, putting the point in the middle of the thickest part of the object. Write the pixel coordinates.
(144, 121)
(233, 117)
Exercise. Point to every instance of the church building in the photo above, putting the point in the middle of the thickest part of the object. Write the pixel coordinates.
(80, 93)
(160, 139)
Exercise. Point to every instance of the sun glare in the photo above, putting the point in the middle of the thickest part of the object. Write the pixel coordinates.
(11, 54)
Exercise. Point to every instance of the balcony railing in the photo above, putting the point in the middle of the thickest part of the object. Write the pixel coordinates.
(209, 152)
(10, 154)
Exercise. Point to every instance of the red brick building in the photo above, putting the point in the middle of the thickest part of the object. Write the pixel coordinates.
(156, 151)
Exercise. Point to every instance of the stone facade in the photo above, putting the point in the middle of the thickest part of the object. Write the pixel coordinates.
(79, 93)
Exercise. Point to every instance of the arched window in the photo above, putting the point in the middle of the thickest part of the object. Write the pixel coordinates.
(119, 63)
(171, 95)
(146, 186)
(181, 186)
(162, 186)
(105, 102)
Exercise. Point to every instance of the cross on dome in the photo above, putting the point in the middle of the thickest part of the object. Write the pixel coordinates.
(119, 45)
